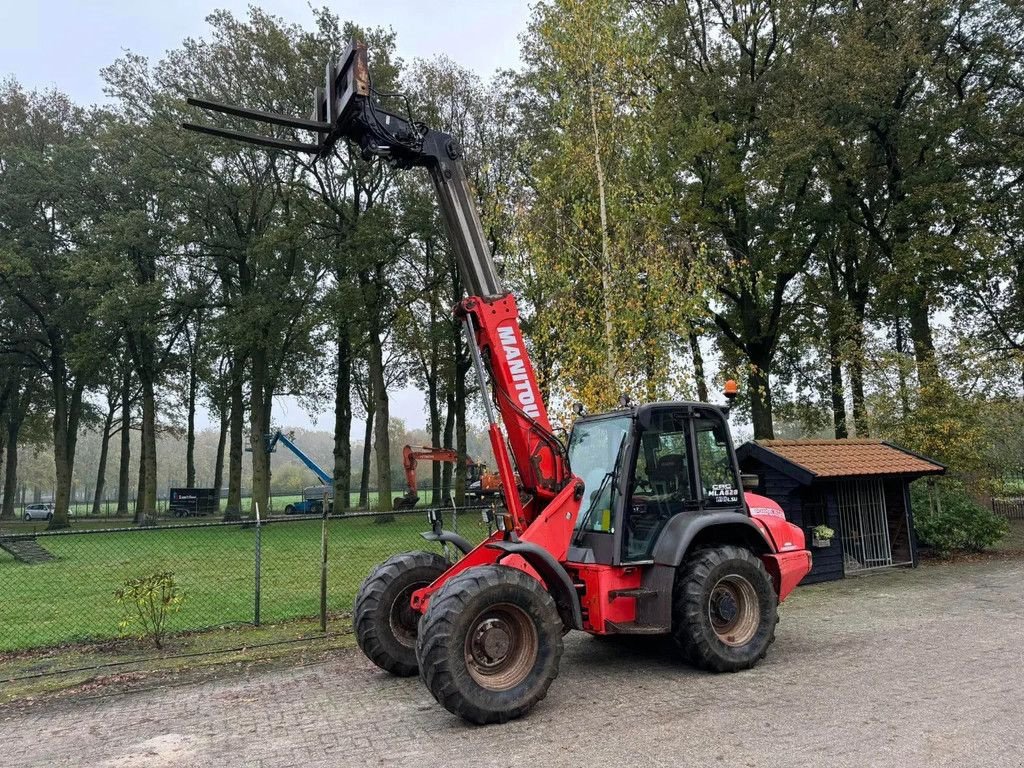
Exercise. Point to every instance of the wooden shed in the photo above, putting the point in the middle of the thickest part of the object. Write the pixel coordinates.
(858, 488)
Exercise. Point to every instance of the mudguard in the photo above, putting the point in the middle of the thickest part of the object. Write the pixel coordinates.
(555, 578)
(447, 537)
(680, 531)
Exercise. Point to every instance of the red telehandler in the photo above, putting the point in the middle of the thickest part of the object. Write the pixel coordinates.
(639, 526)
(480, 482)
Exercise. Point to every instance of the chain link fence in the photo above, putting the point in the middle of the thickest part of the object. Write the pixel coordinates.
(58, 587)
(84, 507)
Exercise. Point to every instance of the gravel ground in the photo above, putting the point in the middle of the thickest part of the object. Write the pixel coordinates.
(905, 668)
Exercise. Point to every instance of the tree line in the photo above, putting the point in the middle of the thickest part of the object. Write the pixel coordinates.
(822, 199)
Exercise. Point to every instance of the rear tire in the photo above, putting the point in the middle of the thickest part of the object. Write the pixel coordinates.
(289, 509)
(490, 644)
(385, 623)
(724, 609)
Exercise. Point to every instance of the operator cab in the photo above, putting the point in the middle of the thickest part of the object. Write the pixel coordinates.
(642, 467)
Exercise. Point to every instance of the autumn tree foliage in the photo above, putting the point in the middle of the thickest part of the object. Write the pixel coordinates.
(820, 199)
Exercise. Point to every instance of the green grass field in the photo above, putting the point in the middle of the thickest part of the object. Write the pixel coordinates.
(71, 598)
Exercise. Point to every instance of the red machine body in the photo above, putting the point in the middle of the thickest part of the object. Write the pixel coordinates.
(679, 534)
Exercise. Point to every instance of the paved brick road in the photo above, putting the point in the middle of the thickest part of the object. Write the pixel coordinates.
(909, 668)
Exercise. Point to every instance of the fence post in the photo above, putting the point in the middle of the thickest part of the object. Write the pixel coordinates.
(323, 568)
(256, 607)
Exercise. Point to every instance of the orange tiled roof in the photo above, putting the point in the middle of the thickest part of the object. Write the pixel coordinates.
(849, 458)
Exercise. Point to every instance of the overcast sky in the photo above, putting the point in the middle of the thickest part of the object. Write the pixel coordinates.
(64, 43)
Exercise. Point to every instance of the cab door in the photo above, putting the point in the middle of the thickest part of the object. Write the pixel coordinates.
(718, 487)
(662, 480)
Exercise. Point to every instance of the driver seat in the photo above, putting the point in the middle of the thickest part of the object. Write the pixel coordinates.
(669, 475)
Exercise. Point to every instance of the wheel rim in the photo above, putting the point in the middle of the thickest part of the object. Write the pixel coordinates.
(501, 647)
(734, 611)
(403, 618)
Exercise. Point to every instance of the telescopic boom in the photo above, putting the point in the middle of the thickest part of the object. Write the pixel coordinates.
(346, 108)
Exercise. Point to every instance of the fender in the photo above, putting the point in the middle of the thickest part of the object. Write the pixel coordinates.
(555, 577)
(447, 537)
(681, 530)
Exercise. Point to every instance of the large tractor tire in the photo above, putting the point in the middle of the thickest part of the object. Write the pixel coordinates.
(724, 609)
(490, 644)
(384, 621)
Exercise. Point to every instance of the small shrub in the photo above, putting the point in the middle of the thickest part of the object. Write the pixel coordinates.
(147, 602)
(958, 523)
(823, 532)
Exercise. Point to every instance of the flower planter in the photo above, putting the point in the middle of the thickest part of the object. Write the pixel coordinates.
(821, 543)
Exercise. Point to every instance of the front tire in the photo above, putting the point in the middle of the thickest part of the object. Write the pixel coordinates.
(724, 609)
(385, 623)
(490, 644)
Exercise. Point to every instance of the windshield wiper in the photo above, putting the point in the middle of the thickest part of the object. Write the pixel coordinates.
(596, 497)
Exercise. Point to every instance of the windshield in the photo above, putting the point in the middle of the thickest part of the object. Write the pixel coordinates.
(593, 448)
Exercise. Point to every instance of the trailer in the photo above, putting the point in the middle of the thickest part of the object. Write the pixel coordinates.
(193, 502)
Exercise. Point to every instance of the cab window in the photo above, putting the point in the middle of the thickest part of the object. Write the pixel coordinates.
(595, 448)
(662, 483)
(717, 476)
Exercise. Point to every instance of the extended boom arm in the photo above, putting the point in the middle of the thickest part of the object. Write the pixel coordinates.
(272, 441)
(346, 109)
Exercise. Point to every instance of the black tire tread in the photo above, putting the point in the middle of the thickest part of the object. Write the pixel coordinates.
(368, 604)
(437, 628)
(688, 606)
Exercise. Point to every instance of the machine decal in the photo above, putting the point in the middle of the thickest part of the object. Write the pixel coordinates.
(517, 368)
(724, 493)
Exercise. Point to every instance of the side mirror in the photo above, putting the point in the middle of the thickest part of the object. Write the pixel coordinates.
(749, 481)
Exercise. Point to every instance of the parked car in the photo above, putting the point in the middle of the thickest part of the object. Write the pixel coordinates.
(39, 511)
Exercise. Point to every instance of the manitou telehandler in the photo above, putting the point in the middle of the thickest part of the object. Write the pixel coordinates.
(639, 526)
(480, 483)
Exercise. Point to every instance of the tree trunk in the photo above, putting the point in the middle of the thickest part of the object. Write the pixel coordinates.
(124, 468)
(343, 420)
(901, 362)
(259, 426)
(460, 433)
(148, 443)
(698, 368)
(606, 257)
(448, 438)
(919, 307)
(237, 419)
(140, 490)
(759, 381)
(435, 436)
(222, 438)
(10, 471)
(18, 402)
(101, 469)
(190, 435)
(364, 475)
(860, 410)
(381, 438)
(3, 460)
(836, 386)
(67, 410)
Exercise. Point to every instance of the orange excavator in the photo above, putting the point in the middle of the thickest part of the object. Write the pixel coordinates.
(479, 482)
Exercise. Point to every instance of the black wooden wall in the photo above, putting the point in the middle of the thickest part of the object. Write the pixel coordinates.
(805, 506)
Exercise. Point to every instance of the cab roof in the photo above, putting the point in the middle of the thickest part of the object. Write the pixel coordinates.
(645, 409)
